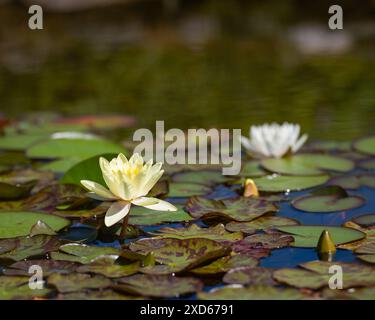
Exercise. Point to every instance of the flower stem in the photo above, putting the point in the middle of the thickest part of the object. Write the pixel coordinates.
(123, 228)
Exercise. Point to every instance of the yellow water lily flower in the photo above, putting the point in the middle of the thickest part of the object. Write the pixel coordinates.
(128, 182)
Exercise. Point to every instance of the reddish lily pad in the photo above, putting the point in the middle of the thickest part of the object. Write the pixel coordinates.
(239, 209)
(260, 224)
(217, 233)
(269, 240)
(21, 268)
(251, 276)
(158, 286)
(109, 269)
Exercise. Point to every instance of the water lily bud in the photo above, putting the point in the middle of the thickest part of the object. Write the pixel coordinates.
(250, 189)
(326, 247)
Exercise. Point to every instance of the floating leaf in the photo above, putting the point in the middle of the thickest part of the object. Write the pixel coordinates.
(365, 145)
(239, 209)
(366, 220)
(260, 224)
(158, 286)
(252, 169)
(307, 164)
(19, 223)
(82, 253)
(142, 216)
(366, 252)
(302, 278)
(14, 192)
(19, 142)
(217, 233)
(204, 177)
(21, 268)
(328, 203)
(182, 189)
(60, 165)
(88, 169)
(367, 164)
(95, 295)
(26, 247)
(41, 228)
(17, 288)
(308, 236)
(109, 269)
(77, 281)
(225, 264)
(268, 240)
(277, 183)
(252, 293)
(70, 148)
(251, 276)
(354, 181)
(186, 254)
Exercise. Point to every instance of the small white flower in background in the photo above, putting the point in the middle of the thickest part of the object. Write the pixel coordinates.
(128, 181)
(274, 140)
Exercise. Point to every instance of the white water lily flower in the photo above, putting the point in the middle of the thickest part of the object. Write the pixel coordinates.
(128, 181)
(274, 140)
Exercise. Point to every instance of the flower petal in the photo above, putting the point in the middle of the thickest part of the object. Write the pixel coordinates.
(154, 204)
(116, 212)
(98, 189)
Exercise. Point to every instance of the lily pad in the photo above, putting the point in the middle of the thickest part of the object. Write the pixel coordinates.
(77, 281)
(225, 264)
(60, 165)
(307, 164)
(277, 183)
(26, 247)
(88, 169)
(365, 145)
(327, 203)
(366, 252)
(268, 240)
(204, 177)
(144, 217)
(308, 236)
(14, 192)
(183, 189)
(354, 181)
(251, 276)
(72, 148)
(17, 288)
(19, 223)
(186, 254)
(82, 253)
(158, 286)
(105, 294)
(366, 220)
(217, 233)
(19, 142)
(302, 278)
(109, 269)
(239, 209)
(260, 224)
(21, 268)
(367, 164)
(235, 292)
(252, 169)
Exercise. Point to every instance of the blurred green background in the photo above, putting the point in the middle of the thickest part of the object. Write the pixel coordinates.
(207, 63)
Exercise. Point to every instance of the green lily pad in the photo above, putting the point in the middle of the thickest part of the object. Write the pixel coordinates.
(109, 269)
(26, 247)
(186, 254)
(60, 165)
(316, 275)
(77, 281)
(217, 233)
(82, 253)
(327, 203)
(204, 177)
(19, 142)
(366, 220)
(260, 224)
(252, 169)
(365, 145)
(21, 268)
(72, 148)
(88, 169)
(19, 223)
(158, 286)
(268, 240)
(354, 181)
(95, 295)
(366, 252)
(367, 164)
(235, 292)
(277, 183)
(183, 189)
(17, 288)
(250, 276)
(308, 236)
(239, 209)
(225, 264)
(307, 164)
(145, 217)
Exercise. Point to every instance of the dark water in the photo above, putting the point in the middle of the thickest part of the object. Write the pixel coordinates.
(196, 64)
